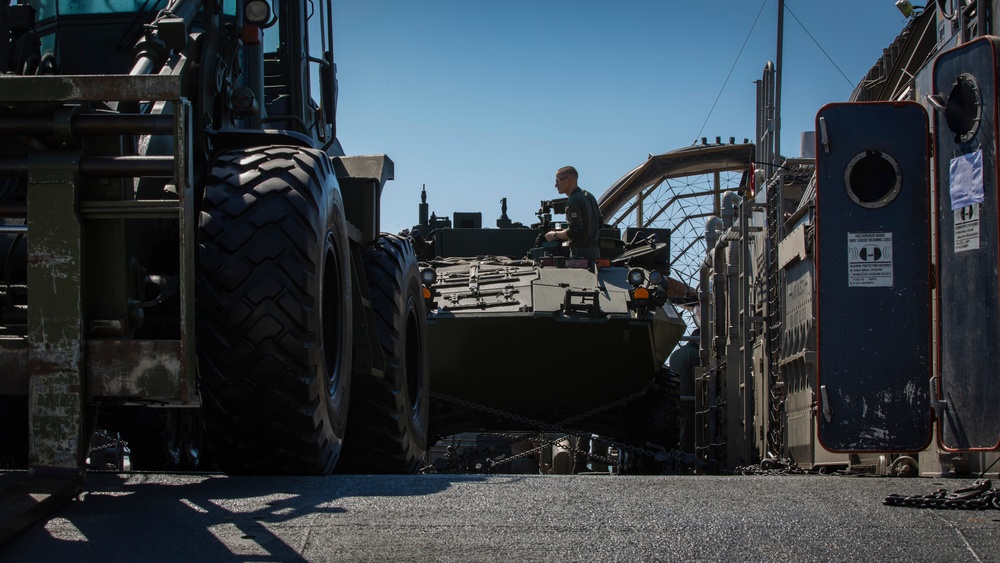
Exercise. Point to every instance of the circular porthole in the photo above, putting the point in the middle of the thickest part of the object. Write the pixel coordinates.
(873, 179)
(964, 108)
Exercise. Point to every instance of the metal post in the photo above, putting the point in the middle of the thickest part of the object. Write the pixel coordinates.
(183, 175)
(55, 313)
(777, 83)
(717, 198)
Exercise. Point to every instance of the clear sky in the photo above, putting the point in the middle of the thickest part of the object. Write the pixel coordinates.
(480, 100)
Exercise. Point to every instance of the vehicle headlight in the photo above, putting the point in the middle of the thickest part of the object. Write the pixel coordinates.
(257, 12)
(428, 276)
(655, 278)
(636, 276)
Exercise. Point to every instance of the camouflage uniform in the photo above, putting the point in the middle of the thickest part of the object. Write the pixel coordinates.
(584, 218)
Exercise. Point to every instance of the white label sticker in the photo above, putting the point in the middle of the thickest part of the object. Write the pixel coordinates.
(967, 228)
(965, 176)
(869, 259)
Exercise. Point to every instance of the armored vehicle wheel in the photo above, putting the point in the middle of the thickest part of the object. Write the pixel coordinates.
(660, 425)
(274, 312)
(387, 432)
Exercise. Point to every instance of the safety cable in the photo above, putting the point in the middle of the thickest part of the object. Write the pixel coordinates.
(728, 76)
(791, 13)
(749, 33)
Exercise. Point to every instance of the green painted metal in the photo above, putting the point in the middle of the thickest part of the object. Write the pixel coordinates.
(136, 370)
(540, 342)
(184, 183)
(542, 376)
(77, 223)
(96, 88)
(55, 319)
(116, 368)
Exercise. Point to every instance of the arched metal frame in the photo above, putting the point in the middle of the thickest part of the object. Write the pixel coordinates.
(673, 190)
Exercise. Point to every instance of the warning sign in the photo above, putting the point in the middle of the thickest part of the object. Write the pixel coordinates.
(869, 259)
(967, 227)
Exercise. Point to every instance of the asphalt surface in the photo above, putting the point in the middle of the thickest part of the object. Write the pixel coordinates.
(156, 517)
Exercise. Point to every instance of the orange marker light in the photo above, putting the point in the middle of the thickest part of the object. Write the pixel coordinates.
(427, 293)
(251, 34)
(640, 293)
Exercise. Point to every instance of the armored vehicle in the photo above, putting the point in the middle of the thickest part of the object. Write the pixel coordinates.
(190, 259)
(523, 337)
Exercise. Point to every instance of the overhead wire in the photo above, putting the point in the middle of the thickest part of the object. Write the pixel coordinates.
(728, 76)
(742, 47)
(791, 13)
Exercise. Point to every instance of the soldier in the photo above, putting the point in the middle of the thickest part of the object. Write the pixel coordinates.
(582, 215)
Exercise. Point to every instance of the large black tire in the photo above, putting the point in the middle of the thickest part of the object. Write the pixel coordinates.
(274, 312)
(660, 425)
(387, 431)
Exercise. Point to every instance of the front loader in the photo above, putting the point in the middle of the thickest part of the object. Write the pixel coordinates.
(189, 259)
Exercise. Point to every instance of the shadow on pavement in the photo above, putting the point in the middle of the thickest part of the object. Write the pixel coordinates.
(148, 516)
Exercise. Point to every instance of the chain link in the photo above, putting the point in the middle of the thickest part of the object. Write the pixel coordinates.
(772, 466)
(545, 443)
(101, 441)
(675, 458)
(542, 426)
(109, 444)
(980, 496)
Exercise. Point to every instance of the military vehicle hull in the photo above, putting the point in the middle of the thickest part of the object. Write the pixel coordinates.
(519, 340)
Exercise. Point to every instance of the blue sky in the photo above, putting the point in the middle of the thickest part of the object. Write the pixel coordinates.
(482, 100)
